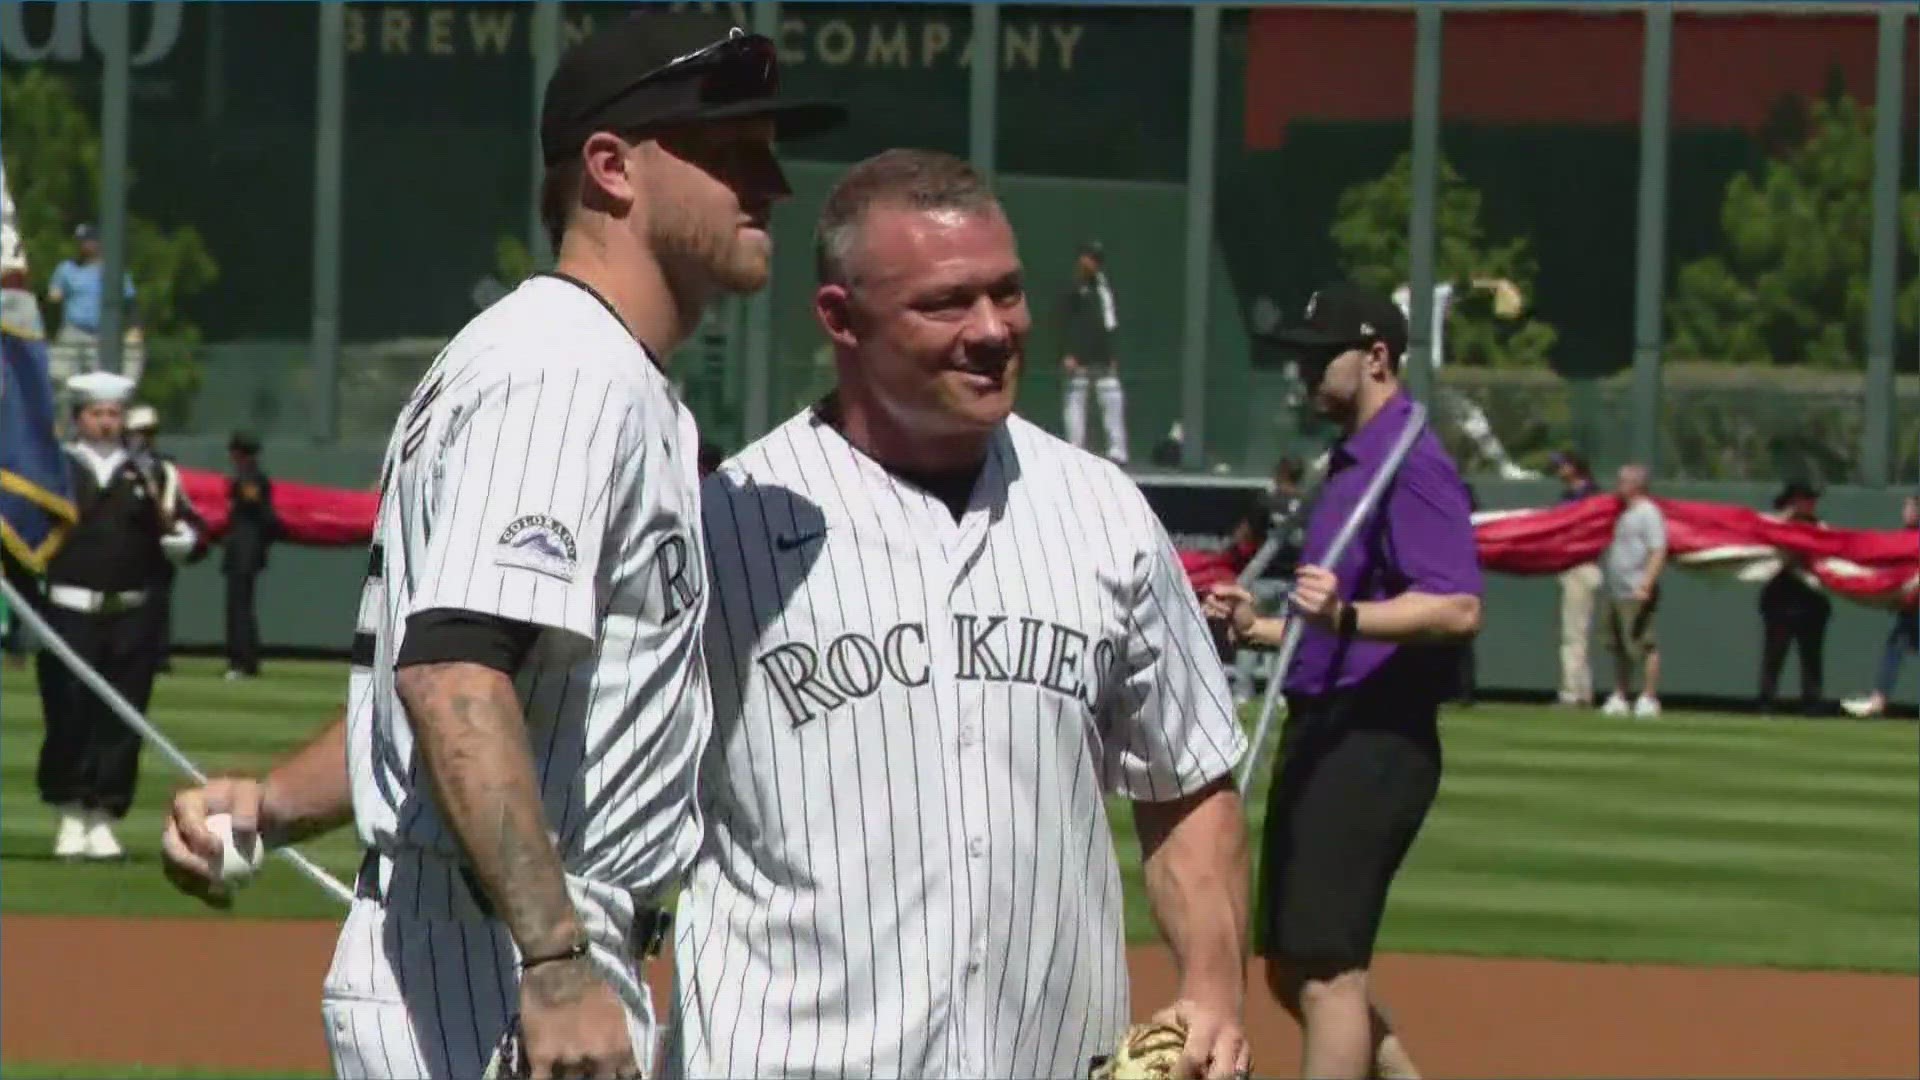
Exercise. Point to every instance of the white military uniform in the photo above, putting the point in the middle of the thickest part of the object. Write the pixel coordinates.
(543, 472)
(909, 869)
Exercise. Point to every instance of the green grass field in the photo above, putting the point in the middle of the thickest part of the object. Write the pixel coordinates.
(1693, 839)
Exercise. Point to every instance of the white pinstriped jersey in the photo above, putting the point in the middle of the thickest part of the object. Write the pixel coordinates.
(545, 472)
(908, 869)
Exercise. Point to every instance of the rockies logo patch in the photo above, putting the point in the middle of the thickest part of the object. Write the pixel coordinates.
(538, 543)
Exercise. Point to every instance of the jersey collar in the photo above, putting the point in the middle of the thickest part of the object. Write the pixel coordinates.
(604, 303)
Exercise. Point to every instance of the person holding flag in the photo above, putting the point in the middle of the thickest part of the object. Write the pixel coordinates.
(98, 586)
(36, 507)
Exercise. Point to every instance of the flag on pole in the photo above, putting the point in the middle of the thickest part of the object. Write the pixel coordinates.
(36, 503)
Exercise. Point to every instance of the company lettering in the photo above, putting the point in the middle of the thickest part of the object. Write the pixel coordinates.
(80, 28)
(412, 30)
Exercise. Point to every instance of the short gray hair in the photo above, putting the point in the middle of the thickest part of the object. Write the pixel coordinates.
(904, 179)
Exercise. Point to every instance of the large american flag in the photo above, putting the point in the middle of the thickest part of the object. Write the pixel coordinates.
(1876, 567)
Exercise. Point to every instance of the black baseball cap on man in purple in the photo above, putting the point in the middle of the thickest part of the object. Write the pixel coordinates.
(1341, 317)
(657, 70)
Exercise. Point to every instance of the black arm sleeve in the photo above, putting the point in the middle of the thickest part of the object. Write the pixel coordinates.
(450, 635)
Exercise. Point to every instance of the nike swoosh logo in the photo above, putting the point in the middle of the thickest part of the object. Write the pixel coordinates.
(789, 543)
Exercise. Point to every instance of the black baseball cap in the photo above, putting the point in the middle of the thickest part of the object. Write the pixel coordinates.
(1340, 317)
(660, 69)
(1793, 492)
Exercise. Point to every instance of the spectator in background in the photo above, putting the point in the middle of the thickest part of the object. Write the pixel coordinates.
(1091, 322)
(1286, 501)
(163, 478)
(1630, 571)
(1250, 534)
(1792, 611)
(1903, 637)
(1577, 588)
(77, 288)
(252, 526)
(1468, 690)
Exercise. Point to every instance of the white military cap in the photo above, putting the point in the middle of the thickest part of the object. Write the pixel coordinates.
(142, 418)
(94, 387)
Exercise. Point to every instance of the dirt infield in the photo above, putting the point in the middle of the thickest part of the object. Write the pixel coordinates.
(244, 995)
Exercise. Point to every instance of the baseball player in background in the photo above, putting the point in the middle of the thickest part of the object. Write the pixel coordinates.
(528, 704)
(1091, 322)
(1461, 410)
(940, 636)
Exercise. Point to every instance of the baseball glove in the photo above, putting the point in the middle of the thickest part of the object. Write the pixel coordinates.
(1507, 301)
(1146, 1052)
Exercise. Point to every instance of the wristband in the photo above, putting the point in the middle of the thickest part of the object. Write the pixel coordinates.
(1349, 620)
(576, 952)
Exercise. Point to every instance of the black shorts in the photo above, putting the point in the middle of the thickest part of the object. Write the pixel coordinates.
(1357, 771)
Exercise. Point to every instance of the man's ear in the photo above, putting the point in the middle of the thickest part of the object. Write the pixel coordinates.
(608, 171)
(833, 309)
(1380, 360)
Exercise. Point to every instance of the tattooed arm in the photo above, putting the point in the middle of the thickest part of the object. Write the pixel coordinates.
(472, 738)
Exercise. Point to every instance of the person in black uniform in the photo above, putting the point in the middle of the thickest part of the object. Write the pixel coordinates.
(95, 599)
(143, 425)
(251, 527)
(1794, 613)
(1090, 325)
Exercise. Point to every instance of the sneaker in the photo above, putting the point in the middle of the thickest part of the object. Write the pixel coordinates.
(1615, 706)
(1574, 701)
(70, 837)
(101, 843)
(1646, 707)
(1864, 707)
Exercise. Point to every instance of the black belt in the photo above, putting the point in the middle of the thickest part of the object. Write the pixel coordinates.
(652, 925)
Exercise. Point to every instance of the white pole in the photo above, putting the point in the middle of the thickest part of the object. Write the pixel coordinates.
(1290, 640)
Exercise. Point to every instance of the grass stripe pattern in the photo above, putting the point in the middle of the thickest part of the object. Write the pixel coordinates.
(1691, 839)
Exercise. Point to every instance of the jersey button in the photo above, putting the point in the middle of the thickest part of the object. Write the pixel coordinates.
(977, 846)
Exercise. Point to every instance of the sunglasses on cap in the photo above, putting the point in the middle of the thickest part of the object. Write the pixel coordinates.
(738, 67)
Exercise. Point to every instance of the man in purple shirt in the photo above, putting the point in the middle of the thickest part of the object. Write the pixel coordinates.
(1359, 761)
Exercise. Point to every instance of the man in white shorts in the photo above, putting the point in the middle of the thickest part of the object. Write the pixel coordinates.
(940, 637)
(528, 704)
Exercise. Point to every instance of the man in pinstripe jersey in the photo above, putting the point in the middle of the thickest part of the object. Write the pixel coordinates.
(528, 704)
(939, 637)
